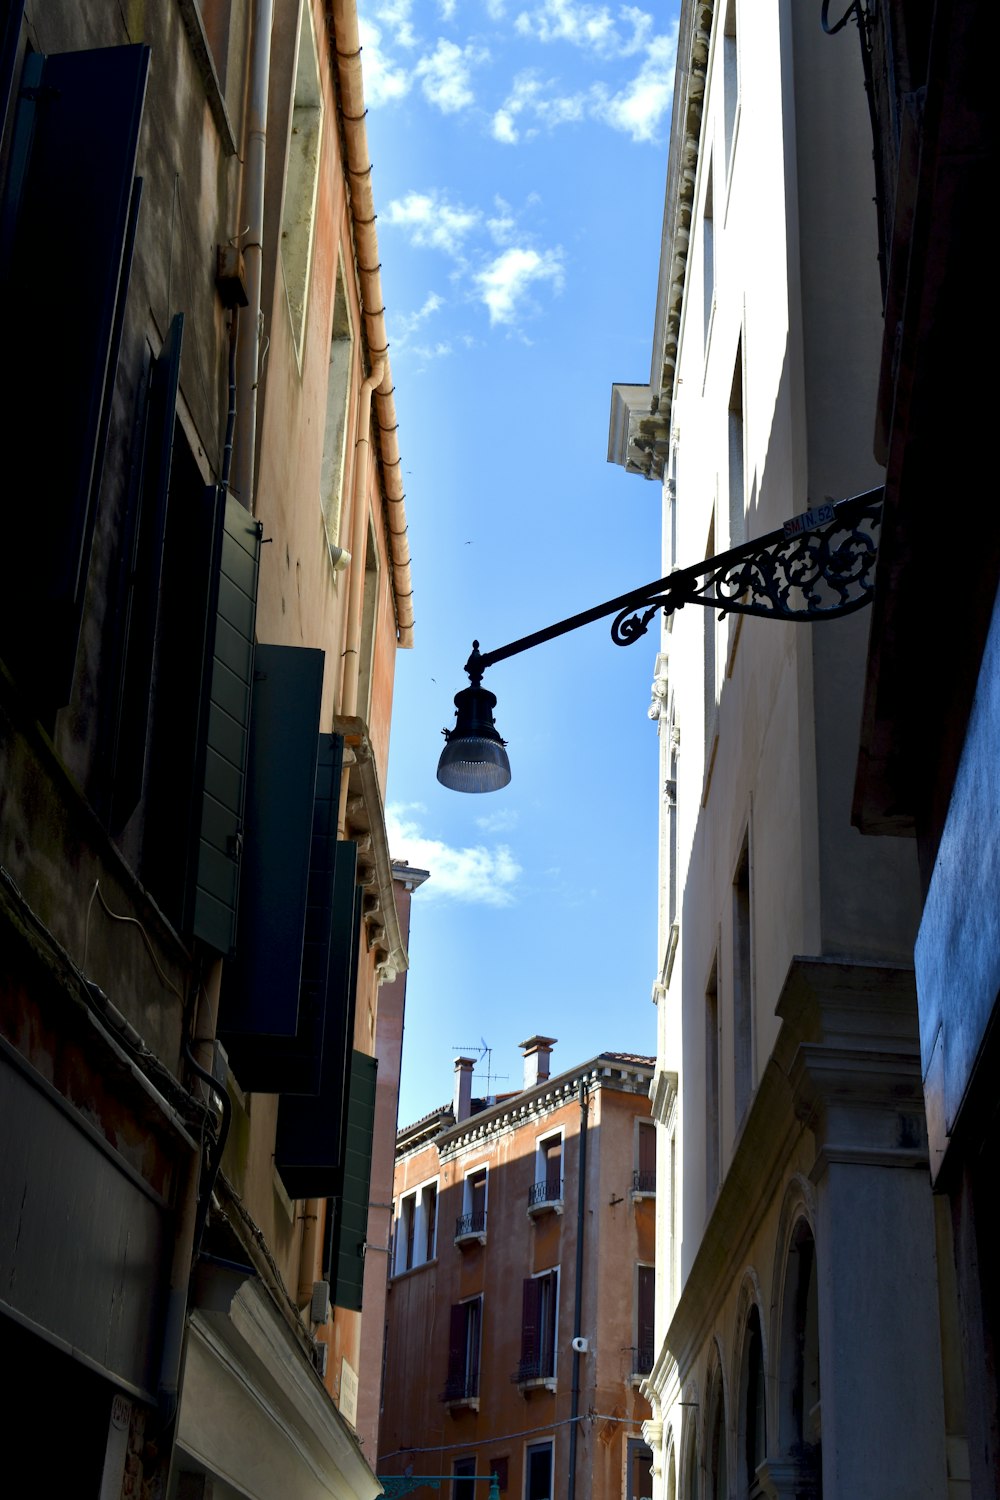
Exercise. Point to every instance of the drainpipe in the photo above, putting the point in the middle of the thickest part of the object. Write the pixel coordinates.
(581, 1211)
(255, 151)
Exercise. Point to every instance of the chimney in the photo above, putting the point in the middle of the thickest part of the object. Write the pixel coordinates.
(462, 1102)
(537, 1051)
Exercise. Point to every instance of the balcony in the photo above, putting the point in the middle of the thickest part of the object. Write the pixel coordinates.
(644, 1184)
(470, 1229)
(545, 1197)
(461, 1392)
(537, 1373)
(643, 1357)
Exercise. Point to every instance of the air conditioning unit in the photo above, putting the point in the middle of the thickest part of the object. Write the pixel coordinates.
(319, 1307)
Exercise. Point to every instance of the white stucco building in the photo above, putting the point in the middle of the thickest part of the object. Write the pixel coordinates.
(804, 1314)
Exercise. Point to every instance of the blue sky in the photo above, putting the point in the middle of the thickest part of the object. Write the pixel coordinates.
(519, 155)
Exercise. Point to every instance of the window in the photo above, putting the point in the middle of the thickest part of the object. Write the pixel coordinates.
(369, 617)
(463, 1485)
(415, 1238)
(712, 1137)
(753, 1419)
(639, 1477)
(463, 1351)
(645, 1305)
(710, 627)
(338, 388)
(539, 1318)
(718, 1474)
(644, 1175)
(708, 256)
(473, 1217)
(538, 1472)
(730, 77)
(742, 981)
(500, 1467)
(737, 482)
(548, 1184)
(302, 178)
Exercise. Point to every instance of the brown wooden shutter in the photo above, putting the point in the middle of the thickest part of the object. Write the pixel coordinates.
(531, 1327)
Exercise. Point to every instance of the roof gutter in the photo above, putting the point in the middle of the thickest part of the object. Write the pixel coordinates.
(343, 22)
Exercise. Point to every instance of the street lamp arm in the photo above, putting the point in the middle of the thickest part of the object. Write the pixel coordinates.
(817, 566)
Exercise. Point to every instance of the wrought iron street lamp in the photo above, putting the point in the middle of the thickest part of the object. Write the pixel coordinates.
(820, 565)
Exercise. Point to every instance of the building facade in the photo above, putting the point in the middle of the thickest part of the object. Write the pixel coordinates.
(202, 597)
(937, 781)
(520, 1308)
(807, 1330)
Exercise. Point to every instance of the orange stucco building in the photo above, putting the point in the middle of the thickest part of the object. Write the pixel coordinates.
(520, 1304)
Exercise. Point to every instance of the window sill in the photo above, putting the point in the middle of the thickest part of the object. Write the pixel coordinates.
(411, 1270)
(553, 1206)
(476, 1238)
(636, 1193)
(539, 1383)
(462, 1403)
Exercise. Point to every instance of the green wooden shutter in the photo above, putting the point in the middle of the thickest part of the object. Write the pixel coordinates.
(309, 1143)
(214, 888)
(142, 566)
(71, 162)
(351, 1226)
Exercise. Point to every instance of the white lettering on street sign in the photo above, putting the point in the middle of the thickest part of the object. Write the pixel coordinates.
(808, 520)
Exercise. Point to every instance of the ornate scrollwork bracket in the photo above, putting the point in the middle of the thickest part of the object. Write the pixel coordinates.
(819, 566)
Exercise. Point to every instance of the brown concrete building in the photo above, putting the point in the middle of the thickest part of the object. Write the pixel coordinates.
(204, 580)
(520, 1307)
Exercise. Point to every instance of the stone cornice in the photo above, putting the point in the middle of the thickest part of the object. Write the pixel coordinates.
(366, 814)
(531, 1105)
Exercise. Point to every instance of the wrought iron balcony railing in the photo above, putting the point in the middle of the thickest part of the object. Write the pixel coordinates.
(643, 1358)
(644, 1182)
(549, 1190)
(538, 1367)
(474, 1223)
(461, 1387)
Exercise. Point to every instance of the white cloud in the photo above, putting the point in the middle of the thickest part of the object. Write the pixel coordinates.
(640, 107)
(383, 82)
(498, 822)
(447, 8)
(591, 27)
(477, 874)
(432, 222)
(637, 109)
(504, 129)
(502, 224)
(446, 75)
(503, 285)
(496, 10)
(395, 14)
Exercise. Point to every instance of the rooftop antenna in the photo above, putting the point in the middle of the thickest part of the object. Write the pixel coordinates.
(482, 1049)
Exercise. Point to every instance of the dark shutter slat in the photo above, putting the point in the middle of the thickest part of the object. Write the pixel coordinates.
(456, 1350)
(80, 170)
(351, 1227)
(215, 886)
(261, 991)
(144, 565)
(531, 1319)
(310, 1136)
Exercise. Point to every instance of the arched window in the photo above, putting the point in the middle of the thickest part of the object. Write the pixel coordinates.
(691, 1489)
(753, 1417)
(799, 1410)
(718, 1474)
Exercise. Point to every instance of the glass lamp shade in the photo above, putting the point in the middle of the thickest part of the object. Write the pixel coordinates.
(474, 758)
